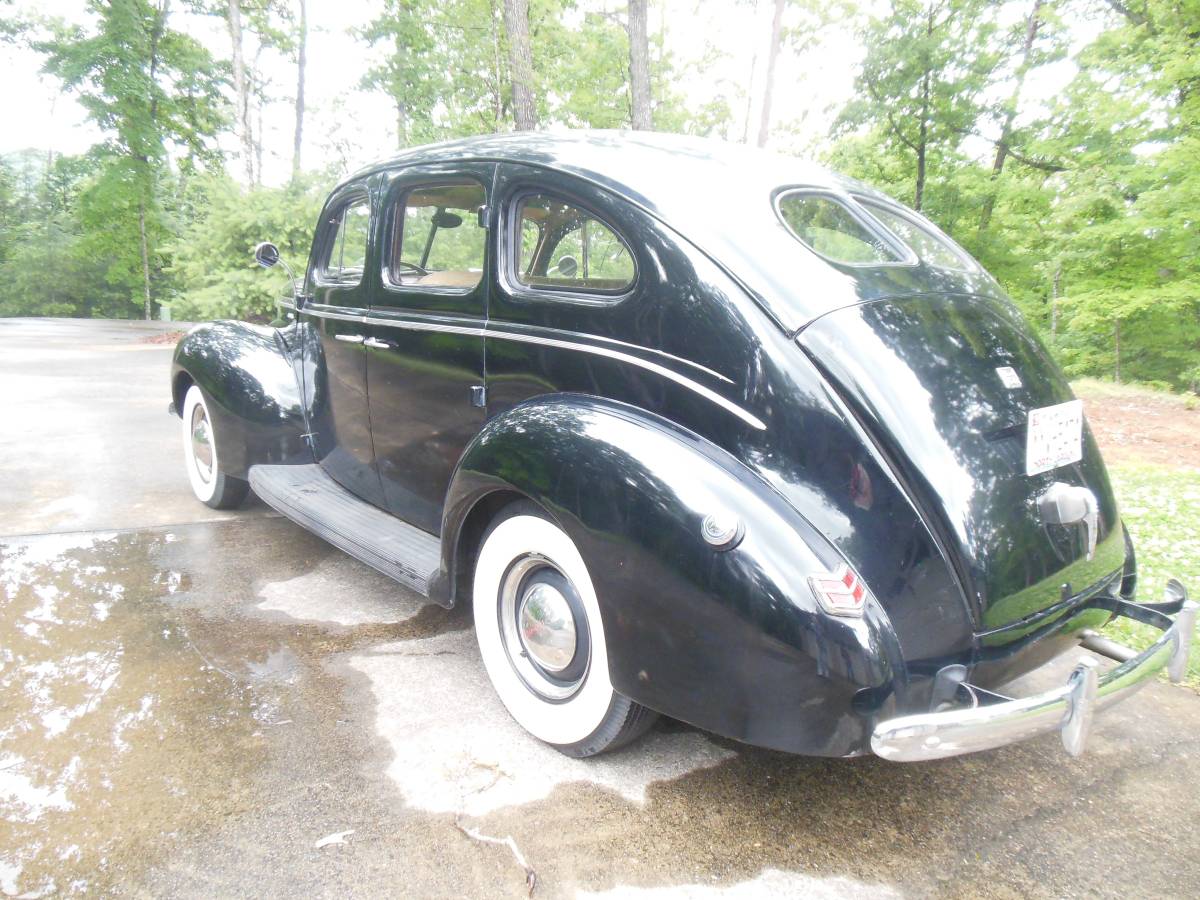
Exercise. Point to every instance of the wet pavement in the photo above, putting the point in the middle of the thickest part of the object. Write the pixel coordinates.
(191, 702)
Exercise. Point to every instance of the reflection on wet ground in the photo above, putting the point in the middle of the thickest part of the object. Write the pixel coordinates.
(189, 711)
(116, 732)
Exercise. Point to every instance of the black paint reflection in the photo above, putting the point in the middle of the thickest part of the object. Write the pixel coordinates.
(922, 371)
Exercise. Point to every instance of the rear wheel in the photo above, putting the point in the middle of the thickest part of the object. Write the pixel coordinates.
(209, 483)
(541, 638)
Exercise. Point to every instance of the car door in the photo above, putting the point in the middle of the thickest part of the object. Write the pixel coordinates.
(339, 278)
(424, 334)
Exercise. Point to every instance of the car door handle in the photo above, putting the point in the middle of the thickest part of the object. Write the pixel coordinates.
(349, 338)
(377, 344)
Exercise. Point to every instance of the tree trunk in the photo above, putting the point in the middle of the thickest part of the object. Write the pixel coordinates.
(520, 63)
(1010, 115)
(922, 141)
(401, 124)
(1117, 351)
(749, 100)
(1054, 302)
(160, 25)
(639, 66)
(301, 62)
(149, 308)
(497, 67)
(241, 86)
(764, 124)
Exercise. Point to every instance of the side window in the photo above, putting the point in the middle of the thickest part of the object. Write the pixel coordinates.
(347, 249)
(564, 247)
(436, 237)
(827, 227)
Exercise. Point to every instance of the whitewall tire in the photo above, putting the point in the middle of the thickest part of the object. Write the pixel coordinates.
(209, 482)
(542, 640)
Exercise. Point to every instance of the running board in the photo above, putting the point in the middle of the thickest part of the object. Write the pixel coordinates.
(309, 497)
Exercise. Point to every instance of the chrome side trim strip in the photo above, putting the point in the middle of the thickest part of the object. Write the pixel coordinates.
(423, 325)
(418, 325)
(610, 353)
(322, 313)
(729, 406)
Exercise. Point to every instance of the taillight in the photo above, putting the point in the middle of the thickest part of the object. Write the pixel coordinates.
(840, 592)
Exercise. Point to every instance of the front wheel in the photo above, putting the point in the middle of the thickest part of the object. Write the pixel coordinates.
(541, 638)
(209, 483)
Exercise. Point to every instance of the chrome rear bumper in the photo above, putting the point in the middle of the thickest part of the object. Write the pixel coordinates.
(1067, 709)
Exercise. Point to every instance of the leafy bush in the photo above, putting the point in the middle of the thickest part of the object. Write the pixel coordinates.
(212, 260)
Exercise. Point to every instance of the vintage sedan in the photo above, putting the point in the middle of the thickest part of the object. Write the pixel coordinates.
(696, 430)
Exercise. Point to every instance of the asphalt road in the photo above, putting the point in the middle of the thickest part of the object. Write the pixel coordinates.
(200, 704)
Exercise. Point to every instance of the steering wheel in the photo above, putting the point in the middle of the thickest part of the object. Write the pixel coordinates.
(413, 267)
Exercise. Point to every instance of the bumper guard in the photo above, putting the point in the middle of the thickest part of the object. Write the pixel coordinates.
(995, 720)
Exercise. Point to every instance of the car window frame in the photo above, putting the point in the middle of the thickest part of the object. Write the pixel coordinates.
(327, 233)
(969, 265)
(510, 256)
(389, 243)
(907, 257)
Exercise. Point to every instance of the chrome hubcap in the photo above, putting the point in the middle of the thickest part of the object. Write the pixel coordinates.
(547, 627)
(202, 453)
(544, 628)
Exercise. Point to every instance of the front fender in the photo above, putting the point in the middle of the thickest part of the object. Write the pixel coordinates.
(732, 641)
(251, 388)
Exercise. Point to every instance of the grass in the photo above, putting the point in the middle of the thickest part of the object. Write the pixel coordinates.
(1098, 389)
(1161, 509)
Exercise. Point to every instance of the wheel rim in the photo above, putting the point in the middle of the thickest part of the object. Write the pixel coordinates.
(201, 438)
(543, 628)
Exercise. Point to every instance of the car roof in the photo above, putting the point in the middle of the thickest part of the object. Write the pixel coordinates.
(717, 195)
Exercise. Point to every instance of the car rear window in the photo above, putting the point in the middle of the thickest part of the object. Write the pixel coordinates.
(829, 227)
(930, 245)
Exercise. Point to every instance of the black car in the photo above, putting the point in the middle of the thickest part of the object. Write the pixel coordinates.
(698, 430)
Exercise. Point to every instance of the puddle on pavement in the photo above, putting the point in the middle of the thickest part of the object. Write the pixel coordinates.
(133, 713)
(113, 731)
(190, 711)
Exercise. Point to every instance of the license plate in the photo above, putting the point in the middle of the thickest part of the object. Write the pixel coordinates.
(1054, 437)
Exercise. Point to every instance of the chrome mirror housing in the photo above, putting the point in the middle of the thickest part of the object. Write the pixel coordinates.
(266, 254)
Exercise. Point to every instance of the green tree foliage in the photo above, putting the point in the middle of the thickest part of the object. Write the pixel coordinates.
(212, 258)
(47, 263)
(151, 89)
(1084, 204)
(1085, 209)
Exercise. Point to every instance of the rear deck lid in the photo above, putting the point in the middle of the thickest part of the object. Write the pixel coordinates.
(948, 386)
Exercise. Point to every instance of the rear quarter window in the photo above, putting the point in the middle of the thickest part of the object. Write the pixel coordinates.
(563, 247)
(930, 245)
(832, 229)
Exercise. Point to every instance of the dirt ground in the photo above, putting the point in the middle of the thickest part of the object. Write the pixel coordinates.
(1134, 424)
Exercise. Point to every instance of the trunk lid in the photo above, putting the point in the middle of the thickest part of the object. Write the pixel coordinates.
(927, 376)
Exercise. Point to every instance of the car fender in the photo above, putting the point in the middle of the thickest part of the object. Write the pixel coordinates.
(251, 387)
(731, 640)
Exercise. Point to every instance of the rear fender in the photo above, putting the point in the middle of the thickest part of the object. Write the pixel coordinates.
(731, 640)
(251, 388)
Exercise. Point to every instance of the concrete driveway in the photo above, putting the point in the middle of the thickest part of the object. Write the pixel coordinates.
(203, 704)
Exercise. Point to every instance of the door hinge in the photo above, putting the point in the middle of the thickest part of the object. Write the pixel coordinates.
(483, 216)
(478, 395)
(310, 438)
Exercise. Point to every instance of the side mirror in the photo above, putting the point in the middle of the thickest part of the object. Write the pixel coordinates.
(567, 266)
(266, 254)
